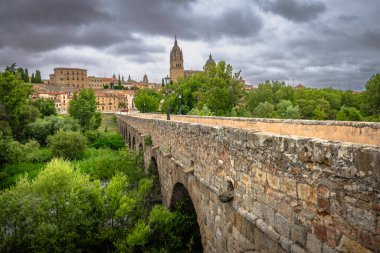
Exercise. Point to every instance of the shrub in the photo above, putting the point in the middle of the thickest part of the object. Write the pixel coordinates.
(42, 128)
(69, 145)
(148, 140)
(109, 140)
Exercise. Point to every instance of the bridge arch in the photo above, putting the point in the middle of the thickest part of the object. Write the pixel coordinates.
(181, 202)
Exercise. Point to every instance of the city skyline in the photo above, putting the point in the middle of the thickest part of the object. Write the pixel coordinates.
(316, 43)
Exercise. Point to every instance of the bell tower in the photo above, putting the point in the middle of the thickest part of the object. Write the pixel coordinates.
(176, 62)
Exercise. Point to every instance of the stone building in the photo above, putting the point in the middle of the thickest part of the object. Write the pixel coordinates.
(69, 77)
(176, 62)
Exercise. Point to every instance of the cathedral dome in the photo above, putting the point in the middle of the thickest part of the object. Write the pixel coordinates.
(210, 61)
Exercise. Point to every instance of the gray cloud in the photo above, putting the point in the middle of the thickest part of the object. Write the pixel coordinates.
(295, 10)
(318, 43)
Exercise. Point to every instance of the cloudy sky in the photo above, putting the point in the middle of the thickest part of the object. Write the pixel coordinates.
(318, 43)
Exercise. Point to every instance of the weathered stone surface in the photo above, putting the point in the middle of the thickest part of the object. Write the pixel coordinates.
(226, 196)
(307, 192)
(313, 245)
(299, 234)
(289, 186)
(273, 181)
(349, 246)
(281, 225)
(284, 186)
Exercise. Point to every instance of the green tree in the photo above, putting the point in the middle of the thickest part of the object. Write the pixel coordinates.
(42, 128)
(264, 110)
(32, 79)
(372, 94)
(13, 96)
(26, 76)
(147, 100)
(220, 91)
(37, 77)
(348, 113)
(58, 211)
(286, 110)
(45, 106)
(68, 145)
(83, 108)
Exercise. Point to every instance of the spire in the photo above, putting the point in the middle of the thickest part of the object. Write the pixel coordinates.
(210, 56)
(175, 40)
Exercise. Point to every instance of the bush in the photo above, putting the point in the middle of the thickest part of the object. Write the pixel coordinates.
(109, 140)
(105, 163)
(13, 172)
(69, 145)
(58, 211)
(91, 136)
(42, 128)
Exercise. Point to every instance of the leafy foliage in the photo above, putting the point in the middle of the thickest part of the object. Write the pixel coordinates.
(69, 145)
(83, 108)
(42, 128)
(45, 106)
(147, 100)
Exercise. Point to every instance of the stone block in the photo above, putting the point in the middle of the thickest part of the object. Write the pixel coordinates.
(256, 209)
(260, 177)
(268, 214)
(267, 230)
(349, 246)
(307, 193)
(285, 243)
(328, 249)
(361, 217)
(273, 181)
(246, 180)
(313, 245)
(299, 234)
(289, 186)
(296, 249)
(281, 225)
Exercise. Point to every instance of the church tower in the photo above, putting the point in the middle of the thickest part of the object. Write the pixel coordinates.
(176, 62)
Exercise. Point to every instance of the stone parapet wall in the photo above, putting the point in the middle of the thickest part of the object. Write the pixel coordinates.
(342, 131)
(308, 195)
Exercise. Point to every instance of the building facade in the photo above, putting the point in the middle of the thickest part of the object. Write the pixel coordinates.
(69, 77)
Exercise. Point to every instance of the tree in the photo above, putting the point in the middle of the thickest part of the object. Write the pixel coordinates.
(372, 94)
(69, 145)
(220, 91)
(348, 113)
(42, 128)
(147, 100)
(264, 110)
(32, 79)
(26, 76)
(45, 106)
(38, 77)
(286, 110)
(57, 211)
(13, 96)
(83, 108)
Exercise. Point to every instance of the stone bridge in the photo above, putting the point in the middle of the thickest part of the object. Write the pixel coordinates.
(260, 185)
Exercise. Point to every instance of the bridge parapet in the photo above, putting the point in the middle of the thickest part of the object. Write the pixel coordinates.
(343, 131)
(305, 194)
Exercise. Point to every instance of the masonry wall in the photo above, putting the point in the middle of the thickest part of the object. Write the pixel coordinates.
(346, 131)
(298, 194)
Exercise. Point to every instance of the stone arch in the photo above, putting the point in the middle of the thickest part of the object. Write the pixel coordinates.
(153, 172)
(181, 200)
(133, 143)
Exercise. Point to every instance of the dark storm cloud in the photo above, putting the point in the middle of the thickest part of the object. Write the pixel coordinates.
(296, 10)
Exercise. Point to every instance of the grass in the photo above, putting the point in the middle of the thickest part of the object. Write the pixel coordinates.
(108, 123)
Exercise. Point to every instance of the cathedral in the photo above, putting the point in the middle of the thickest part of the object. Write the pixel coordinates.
(176, 63)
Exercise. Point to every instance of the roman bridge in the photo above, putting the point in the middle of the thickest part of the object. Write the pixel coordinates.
(265, 185)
